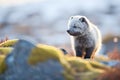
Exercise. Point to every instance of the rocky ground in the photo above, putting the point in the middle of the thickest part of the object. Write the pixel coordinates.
(23, 60)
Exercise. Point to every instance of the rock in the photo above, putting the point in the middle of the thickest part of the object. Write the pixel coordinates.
(86, 69)
(30, 62)
(27, 61)
(5, 50)
(107, 61)
(64, 51)
(8, 43)
(111, 63)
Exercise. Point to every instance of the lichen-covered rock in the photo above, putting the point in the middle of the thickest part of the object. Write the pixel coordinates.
(2, 64)
(9, 43)
(32, 62)
(4, 51)
(107, 61)
(26, 61)
(85, 69)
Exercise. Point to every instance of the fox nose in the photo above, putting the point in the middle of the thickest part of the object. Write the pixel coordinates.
(68, 31)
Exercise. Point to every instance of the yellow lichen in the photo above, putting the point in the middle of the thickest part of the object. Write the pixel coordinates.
(8, 43)
(5, 50)
(43, 53)
(2, 64)
(74, 67)
(101, 58)
(98, 65)
(79, 64)
(85, 69)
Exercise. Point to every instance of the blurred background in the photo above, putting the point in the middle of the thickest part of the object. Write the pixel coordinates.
(46, 20)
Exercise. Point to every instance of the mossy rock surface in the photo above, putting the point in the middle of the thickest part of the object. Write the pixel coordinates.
(43, 61)
(4, 51)
(9, 43)
(86, 69)
(42, 53)
(28, 57)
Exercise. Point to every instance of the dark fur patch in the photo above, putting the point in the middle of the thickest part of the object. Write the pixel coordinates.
(83, 20)
(89, 52)
(78, 51)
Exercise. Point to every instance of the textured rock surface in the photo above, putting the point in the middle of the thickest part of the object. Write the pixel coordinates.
(38, 72)
(18, 67)
(42, 62)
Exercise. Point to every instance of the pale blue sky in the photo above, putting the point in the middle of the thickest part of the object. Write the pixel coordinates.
(16, 2)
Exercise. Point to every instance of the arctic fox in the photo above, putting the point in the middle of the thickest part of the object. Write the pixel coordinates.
(85, 36)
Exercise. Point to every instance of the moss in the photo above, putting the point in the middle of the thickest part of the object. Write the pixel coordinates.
(75, 68)
(85, 69)
(38, 54)
(101, 58)
(2, 64)
(79, 65)
(43, 53)
(87, 75)
(1, 58)
(98, 65)
(5, 50)
(8, 43)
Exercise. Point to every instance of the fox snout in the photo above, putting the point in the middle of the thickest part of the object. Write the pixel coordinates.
(68, 31)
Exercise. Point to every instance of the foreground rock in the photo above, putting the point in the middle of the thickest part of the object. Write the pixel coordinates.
(30, 62)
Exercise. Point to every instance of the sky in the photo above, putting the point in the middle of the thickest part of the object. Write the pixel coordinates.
(16, 2)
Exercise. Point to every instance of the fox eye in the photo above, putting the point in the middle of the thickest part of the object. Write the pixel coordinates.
(82, 19)
(74, 26)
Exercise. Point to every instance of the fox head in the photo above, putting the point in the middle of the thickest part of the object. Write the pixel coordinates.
(77, 25)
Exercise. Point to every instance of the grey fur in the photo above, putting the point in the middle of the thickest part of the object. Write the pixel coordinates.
(86, 37)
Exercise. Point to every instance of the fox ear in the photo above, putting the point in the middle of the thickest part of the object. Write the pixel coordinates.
(82, 19)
